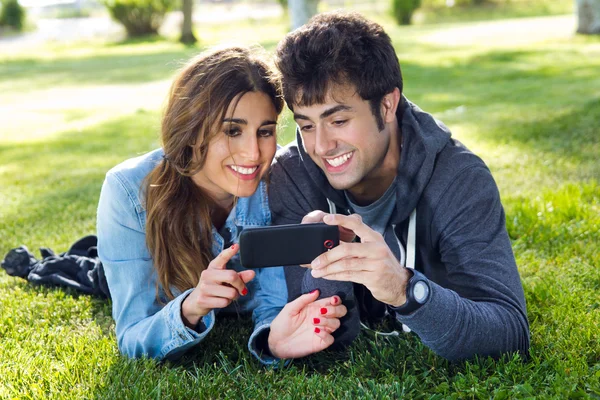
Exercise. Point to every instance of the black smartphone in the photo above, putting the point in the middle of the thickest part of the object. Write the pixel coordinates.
(273, 246)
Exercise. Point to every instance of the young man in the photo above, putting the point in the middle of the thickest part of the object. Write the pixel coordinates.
(430, 244)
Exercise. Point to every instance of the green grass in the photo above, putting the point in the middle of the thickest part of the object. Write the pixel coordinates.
(530, 110)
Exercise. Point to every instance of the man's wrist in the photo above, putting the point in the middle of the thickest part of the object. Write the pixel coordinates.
(417, 292)
(401, 298)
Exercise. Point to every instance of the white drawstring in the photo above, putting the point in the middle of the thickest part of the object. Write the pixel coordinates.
(407, 257)
(410, 247)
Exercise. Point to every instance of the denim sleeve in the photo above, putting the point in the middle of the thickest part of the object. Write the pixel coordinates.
(144, 326)
(271, 298)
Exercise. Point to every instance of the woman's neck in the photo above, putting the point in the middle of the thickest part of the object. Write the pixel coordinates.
(219, 214)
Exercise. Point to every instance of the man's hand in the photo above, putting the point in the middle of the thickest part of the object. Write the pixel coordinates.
(313, 217)
(370, 262)
(304, 326)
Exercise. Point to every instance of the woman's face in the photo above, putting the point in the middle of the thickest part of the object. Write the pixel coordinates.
(241, 153)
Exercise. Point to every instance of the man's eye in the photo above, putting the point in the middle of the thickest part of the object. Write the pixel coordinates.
(340, 122)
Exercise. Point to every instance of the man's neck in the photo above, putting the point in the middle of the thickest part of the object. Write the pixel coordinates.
(375, 184)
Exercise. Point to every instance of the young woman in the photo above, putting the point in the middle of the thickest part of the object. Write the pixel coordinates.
(169, 221)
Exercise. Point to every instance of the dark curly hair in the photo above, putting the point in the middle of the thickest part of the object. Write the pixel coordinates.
(338, 48)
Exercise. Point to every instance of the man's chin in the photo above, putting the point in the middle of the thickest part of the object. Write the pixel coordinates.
(340, 182)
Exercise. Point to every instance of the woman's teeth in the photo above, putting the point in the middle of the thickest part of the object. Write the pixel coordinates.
(244, 170)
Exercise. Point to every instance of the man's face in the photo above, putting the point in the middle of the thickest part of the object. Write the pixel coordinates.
(342, 138)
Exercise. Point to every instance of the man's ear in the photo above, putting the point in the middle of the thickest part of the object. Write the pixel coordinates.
(389, 105)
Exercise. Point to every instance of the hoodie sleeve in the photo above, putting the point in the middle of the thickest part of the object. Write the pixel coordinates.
(481, 311)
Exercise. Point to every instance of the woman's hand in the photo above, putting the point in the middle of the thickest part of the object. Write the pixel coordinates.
(217, 288)
(304, 326)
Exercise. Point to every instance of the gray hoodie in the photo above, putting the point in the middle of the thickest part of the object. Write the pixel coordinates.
(477, 305)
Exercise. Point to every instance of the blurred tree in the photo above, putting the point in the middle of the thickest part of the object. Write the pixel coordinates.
(588, 16)
(139, 17)
(301, 11)
(12, 14)
(403, 10)
(187, 28)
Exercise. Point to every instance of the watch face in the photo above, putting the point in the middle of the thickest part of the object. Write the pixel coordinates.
(420, 292)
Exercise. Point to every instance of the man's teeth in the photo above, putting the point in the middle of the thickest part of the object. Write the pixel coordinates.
(243, 170)
(336, 162)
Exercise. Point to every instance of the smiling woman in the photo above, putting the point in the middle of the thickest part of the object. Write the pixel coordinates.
(169, 221)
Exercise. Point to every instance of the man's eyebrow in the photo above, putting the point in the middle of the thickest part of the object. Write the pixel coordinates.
(326, 113)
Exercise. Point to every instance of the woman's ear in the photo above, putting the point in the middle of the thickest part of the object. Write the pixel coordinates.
(389, 105)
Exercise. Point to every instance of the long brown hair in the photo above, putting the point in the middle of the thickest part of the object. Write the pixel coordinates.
(178, 212)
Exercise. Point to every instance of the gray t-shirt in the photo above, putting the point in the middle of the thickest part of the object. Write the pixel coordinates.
(378, 215)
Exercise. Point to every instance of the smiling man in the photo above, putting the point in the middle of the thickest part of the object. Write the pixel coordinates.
(424, 228)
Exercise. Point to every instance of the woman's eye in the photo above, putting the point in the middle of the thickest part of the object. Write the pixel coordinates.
(266, 132)
(306, 128)
(232, 132)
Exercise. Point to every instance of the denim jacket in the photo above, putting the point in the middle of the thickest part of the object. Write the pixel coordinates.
(144, 326)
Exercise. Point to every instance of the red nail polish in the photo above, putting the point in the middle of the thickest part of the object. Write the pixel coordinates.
(316, 320)
(314, 291)
(317, 330)
(323, 310)
(335, 300)
(245, 291)
(233, 246)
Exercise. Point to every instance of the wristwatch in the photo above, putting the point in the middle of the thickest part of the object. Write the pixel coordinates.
(418, 292)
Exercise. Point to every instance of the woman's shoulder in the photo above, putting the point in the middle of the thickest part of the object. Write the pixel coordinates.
(132, 172)
(254, 210)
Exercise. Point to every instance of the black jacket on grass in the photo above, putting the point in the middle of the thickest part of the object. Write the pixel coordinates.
(477, 305)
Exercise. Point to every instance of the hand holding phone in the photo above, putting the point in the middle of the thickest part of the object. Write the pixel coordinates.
(273, 246)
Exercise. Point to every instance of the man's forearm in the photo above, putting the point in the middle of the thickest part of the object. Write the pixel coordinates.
(457, 328)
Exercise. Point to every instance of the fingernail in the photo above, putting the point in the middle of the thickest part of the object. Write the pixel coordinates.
(317, 330)
(233, 246)
(335, 300)
(245, 291)
(315, 263)
(316, 320)
(323, 311)
(314, 291)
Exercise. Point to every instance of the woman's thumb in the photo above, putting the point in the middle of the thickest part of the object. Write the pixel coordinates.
(297, 305)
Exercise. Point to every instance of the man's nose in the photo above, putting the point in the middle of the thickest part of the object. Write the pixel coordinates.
(324, 143)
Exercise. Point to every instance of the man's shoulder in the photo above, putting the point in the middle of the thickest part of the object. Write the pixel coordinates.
(456, 158)
(288, 162)
(287, 153)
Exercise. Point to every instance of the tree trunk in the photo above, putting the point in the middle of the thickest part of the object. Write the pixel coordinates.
(187, 32)
(301, 11)
(588, 16)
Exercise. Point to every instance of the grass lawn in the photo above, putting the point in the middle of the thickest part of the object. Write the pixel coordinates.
(529, 104)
